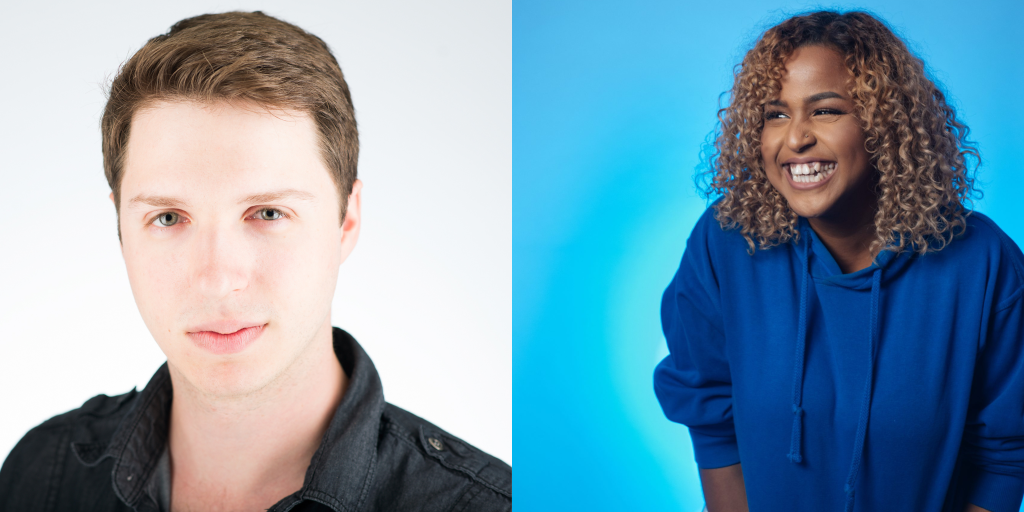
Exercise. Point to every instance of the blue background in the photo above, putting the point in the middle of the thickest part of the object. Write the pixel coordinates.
(611, 105)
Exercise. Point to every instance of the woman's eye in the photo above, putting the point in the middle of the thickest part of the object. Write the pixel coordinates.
(828, 112)
(269, 214)
(773, 114)
(167, 219)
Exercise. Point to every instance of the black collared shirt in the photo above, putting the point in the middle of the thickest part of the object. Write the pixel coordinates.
(373, 457)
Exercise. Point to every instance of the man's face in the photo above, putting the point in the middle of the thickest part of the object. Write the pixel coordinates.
(230, 234)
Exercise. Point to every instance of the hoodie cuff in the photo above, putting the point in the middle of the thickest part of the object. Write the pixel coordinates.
(715, 451)
(995, 492)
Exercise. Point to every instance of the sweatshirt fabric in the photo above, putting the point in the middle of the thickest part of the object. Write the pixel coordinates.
(896, 387)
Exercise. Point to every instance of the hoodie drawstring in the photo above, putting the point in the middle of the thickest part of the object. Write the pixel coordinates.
(795, 454)
(865, 407)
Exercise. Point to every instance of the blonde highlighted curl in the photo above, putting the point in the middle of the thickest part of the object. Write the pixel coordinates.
(925, 184)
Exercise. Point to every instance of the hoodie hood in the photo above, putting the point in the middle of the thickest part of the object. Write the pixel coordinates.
(823, 266)
(818, 264)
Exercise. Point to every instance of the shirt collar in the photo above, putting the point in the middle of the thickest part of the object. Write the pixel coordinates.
(339, 473)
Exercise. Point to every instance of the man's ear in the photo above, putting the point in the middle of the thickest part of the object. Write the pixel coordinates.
(353, 220)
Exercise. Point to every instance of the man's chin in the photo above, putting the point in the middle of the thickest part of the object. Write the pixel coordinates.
(226, 379)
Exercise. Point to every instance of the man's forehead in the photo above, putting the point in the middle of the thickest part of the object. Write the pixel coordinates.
(188, 152)
(188, 131)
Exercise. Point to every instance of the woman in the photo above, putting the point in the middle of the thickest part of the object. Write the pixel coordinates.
(844, 333)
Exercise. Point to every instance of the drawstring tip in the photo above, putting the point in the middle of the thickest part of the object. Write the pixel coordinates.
(849, 499)
(794, 447)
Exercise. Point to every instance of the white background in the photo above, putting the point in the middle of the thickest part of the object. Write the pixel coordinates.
(427, 291)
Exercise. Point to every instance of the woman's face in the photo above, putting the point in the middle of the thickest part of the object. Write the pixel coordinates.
(812, 144)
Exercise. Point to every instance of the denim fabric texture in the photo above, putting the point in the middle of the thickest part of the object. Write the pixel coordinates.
(373, 457)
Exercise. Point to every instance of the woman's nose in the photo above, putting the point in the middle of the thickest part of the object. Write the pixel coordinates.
(800, 136)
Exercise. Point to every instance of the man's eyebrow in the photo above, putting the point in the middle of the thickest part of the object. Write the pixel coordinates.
(270, 197)
(810, 99)
(158, 201)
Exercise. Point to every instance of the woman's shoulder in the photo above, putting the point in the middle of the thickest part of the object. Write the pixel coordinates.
(714, 248)
(982, 228)
(711, 239)
(984, 247)
(709, 230)
(983, 237)
(725, 241)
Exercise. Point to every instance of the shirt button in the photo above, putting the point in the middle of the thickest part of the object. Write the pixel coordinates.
(130, 478)
(436, 443)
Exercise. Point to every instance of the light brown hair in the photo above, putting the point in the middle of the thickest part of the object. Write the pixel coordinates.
(924, 180)
(247, 57)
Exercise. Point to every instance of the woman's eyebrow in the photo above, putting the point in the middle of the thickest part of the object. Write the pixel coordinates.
(810, 99)
(822, 96)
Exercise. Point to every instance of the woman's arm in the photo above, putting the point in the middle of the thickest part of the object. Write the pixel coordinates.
(724, 491)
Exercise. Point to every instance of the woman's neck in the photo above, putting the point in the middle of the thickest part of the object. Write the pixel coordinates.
(848, 239)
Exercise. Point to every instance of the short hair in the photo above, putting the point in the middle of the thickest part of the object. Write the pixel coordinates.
(924, 183)
(246, 57)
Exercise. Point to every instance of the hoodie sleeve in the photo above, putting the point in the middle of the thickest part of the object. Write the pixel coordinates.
(993, 444)
(693, 383)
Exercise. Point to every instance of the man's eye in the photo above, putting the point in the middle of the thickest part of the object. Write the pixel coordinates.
(167, 219)
(269, 214)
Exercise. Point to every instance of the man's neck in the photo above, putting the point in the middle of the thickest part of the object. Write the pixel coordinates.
(247, 453)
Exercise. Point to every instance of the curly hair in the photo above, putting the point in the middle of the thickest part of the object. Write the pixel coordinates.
(924, 182)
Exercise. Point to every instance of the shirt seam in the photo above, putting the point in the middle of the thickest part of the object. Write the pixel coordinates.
(322, 498)
(1008, 252)
(465, 471)
(1011, 300)
(58, 468)
(475, 490)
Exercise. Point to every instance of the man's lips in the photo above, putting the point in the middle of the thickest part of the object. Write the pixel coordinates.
(231, 342)
(223, 326)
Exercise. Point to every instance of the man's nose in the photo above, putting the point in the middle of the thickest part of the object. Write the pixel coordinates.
(221, 262)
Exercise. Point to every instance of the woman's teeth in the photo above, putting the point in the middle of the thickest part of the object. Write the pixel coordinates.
(811, 172)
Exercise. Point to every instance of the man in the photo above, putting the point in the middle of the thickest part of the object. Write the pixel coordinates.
(230, 147)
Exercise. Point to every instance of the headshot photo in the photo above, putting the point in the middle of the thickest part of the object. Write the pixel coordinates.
(285, 281)
(780, 268)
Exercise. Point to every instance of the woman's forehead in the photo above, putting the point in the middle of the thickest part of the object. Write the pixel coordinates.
(810, 70)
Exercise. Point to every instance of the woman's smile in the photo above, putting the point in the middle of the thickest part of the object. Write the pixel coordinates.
(809, 175)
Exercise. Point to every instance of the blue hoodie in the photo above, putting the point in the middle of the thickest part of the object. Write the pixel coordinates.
(896, 387)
